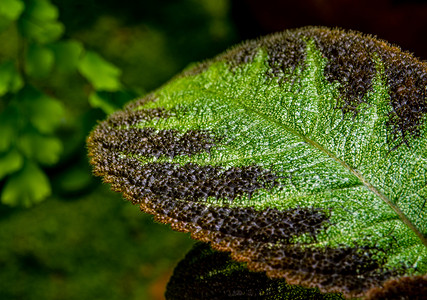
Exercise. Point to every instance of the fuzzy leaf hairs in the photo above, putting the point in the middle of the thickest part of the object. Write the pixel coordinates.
(302, 153)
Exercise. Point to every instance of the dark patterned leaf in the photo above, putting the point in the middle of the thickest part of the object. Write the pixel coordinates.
(302, 153)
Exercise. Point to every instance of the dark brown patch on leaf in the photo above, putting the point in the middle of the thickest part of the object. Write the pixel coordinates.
(350, 270)
(150, 142)
(268, 226)
(404, 288)
(167, 181)
(204, 268)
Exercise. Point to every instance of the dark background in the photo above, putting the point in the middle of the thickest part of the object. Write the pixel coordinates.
(85, 242)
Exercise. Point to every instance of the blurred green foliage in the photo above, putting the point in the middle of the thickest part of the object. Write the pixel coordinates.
(31, 114)
(64, 64)
(49, 65)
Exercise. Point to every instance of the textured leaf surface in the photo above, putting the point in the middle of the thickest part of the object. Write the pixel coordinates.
(303, 153)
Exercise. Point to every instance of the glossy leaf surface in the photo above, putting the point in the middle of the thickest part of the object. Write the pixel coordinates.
(303, 154)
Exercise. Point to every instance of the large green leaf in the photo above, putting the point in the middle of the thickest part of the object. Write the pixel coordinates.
(303, 154)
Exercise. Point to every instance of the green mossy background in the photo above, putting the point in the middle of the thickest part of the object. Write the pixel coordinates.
(79, 240)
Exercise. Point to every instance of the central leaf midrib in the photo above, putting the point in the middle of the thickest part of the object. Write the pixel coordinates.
(353, 171)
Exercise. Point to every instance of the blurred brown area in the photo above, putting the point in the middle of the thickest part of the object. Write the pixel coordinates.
(398, 21)
(158, 287)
